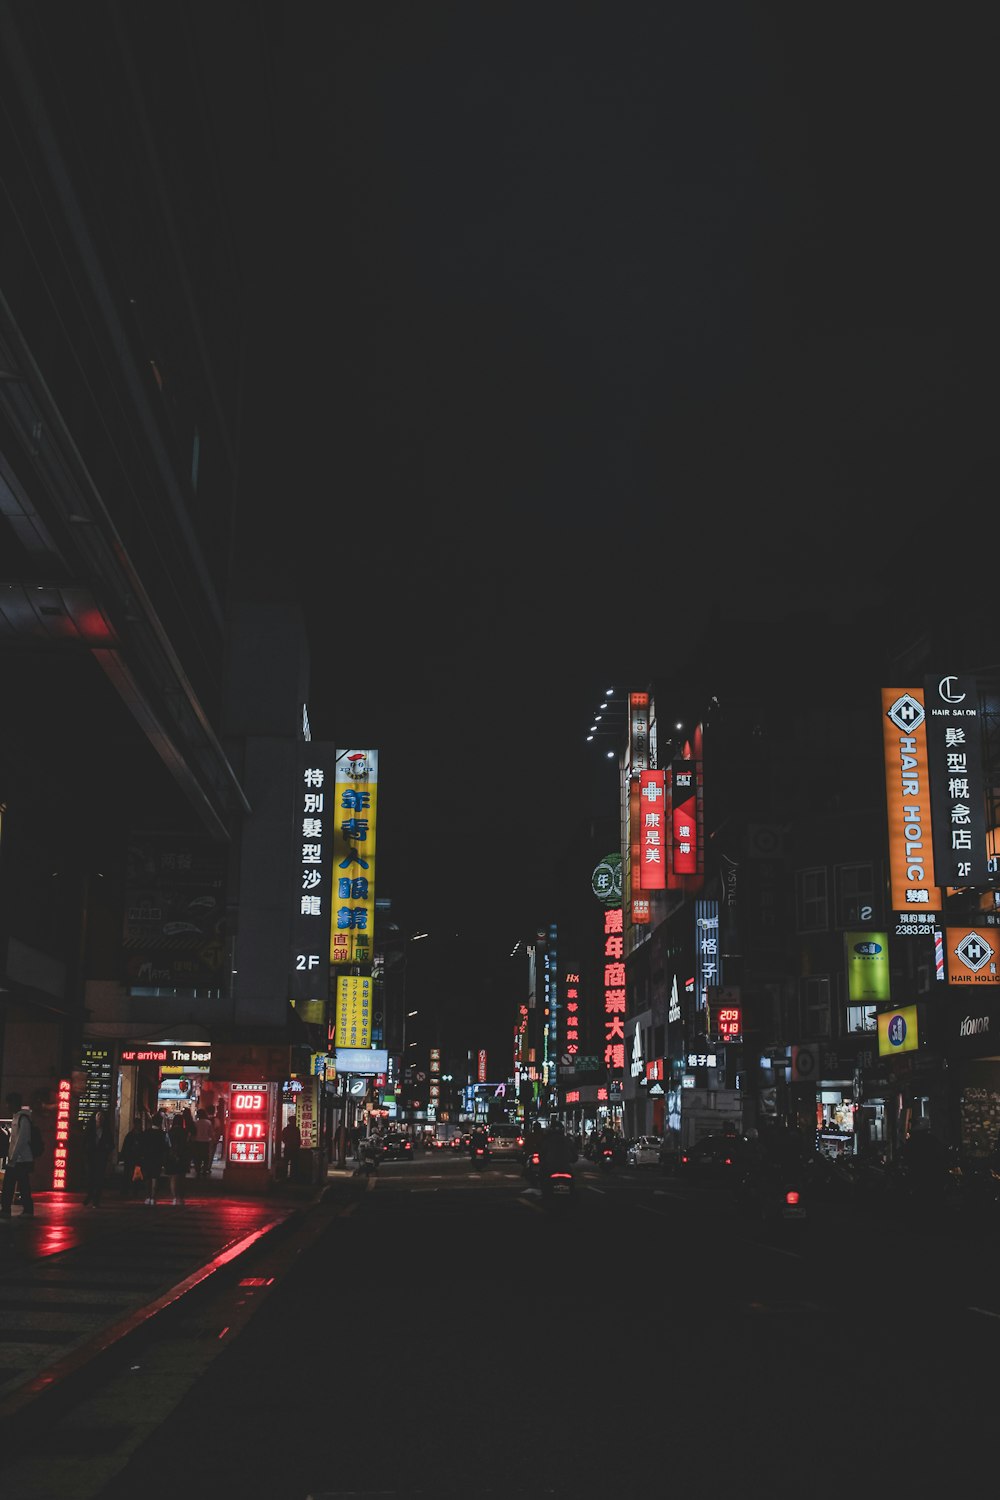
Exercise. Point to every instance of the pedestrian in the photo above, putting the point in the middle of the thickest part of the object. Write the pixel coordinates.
(201, 1146)
(98, 1144)
(152, 1150)
(131, 1170)
(20, 1160)
(177, 1162)
(219, 1150)
(291, 1145)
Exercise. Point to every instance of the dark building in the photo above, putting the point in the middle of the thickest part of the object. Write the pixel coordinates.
(126, 286)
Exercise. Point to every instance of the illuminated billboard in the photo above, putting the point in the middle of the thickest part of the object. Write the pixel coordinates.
(913, 885)
(353, 915)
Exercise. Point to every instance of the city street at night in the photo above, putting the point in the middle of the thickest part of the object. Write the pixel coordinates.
(442, 1333)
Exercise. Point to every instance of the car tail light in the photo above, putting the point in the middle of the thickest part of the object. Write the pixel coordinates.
(728, 1161)
(684, 1156)
(520, 1140)
(535, 1159)
(561, 1176)
(792, 1197)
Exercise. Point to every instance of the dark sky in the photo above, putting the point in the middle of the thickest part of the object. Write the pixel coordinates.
(580, 320)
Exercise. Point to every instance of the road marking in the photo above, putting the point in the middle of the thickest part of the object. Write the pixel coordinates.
(986, 1312)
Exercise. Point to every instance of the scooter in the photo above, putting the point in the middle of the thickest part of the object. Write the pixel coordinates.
(533, 1168)
(606, 1158)
(480, 1157)
(558, 1189)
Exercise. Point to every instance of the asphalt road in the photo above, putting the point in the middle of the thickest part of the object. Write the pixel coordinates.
(442, 1334)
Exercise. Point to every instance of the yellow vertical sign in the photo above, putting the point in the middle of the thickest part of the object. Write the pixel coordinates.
(353, 913)
(354, 1010)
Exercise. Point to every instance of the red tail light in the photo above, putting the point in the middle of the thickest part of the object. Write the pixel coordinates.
(728, 1161)
(792, 1197)
(535, 1159)
(561, 1176)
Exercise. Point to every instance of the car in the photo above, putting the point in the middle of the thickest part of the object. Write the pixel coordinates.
(396, 1147)
(715, 1158)
(644, 1151)
(506, 1141)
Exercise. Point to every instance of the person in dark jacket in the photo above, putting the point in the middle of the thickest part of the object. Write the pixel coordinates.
(151, 1154)
(130, 1159)
(177, 1161)
(98, 1144)
(20, 1160)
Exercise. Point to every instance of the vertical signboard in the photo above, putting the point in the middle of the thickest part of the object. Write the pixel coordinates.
(353, 917)
(913, 885)
(569, 1042)
(638, 732)
(614, 991)
(867, 956)
(958, 789)
(707, 967)
(354, 1011)
(652, 832)
(312, 841)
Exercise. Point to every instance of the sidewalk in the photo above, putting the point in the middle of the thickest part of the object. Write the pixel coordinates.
(75, 1282)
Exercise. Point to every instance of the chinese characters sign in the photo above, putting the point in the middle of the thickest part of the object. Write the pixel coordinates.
(652, 831)
(312, 836)
(354, 857)
(354, 1011)
(614, 990)
(570, 1039)
(958, 792)
(707, 967)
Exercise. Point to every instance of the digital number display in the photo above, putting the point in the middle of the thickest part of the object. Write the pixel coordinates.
(246, 1143)
(249, 1104)
(730, 1022)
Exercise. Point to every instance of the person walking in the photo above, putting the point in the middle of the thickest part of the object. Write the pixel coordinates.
(219, 1149)
(98, 1144)
(151, 1152)
(20, 1160)
(177, 1162)
(130, 1159)
(201, 1146)
(291, 1145)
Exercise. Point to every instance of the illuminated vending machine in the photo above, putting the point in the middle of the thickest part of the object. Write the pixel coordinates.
(249, 1133)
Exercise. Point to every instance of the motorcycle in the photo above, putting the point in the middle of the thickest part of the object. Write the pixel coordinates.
(480, 1157)
(558, 1188)
(606, 1158)
(533, 1168)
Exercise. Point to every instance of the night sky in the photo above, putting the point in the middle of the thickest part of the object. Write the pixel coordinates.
(552, 298)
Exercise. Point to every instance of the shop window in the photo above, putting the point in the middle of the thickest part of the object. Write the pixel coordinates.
(861, 1018)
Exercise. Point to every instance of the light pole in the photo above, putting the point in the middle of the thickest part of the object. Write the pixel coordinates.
(402, 1057)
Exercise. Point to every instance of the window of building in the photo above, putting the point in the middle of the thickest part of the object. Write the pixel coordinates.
(811, 899)
(814, 1005)
(855, 896)
(861, 1018)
